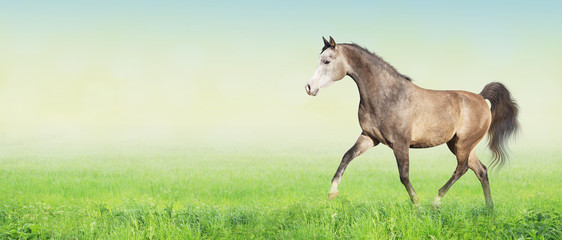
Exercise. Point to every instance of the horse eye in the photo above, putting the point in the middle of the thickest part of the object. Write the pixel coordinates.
(326, 62)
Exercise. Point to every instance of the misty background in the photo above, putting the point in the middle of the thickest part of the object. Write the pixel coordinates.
(227, 72)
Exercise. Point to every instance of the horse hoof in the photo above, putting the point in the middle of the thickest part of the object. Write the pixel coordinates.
(418, 207)
(333, 195)
(436, 204)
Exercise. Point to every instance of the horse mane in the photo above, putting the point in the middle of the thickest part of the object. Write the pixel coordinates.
(379, 61)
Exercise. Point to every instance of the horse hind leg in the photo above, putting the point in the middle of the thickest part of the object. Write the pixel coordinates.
(462, 154)
(482, 175)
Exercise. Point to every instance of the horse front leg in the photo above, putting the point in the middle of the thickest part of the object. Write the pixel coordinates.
(362, 144)
(402, 152)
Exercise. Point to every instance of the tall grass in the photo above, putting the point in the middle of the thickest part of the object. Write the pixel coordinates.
(276, 192)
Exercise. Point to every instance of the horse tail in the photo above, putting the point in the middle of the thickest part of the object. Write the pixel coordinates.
(504, 120)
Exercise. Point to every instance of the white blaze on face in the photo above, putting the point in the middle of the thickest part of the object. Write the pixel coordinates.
(331, 68)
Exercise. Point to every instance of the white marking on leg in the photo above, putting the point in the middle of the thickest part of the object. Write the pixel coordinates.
(334, 190)
(436, 202)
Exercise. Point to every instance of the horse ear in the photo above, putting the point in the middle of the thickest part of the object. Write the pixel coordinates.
(332, 42)
(326, 43)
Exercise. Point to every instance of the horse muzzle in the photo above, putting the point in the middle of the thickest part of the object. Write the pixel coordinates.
(309, 90)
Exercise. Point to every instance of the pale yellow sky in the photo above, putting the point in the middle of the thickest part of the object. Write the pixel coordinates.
(145, 71)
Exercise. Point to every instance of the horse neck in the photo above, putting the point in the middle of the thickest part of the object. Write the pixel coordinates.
(375, 81)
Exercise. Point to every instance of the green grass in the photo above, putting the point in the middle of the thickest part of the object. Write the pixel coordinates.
(277, 192)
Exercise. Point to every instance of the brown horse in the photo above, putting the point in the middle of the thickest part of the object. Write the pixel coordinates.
(395, 112)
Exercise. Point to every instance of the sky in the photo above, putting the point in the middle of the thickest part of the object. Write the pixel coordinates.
(232, 70)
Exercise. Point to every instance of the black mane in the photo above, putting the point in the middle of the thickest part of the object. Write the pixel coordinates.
(379, 61)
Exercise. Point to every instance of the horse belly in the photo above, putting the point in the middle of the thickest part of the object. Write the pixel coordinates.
(431, 135)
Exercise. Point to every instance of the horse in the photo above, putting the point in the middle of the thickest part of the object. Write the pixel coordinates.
(398, 113)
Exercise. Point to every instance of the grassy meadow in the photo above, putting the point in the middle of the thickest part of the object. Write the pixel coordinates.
(185, 191)
(93, 95)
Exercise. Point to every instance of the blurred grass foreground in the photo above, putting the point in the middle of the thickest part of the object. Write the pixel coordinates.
(180, 190)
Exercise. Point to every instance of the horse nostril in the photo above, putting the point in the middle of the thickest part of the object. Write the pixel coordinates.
(307, 88)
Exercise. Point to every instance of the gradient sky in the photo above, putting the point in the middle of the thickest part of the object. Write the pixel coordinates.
(236, 69)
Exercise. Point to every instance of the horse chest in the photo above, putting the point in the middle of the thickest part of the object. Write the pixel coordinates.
(371, 126)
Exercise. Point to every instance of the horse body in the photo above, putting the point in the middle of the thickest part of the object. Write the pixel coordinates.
(397, 113)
